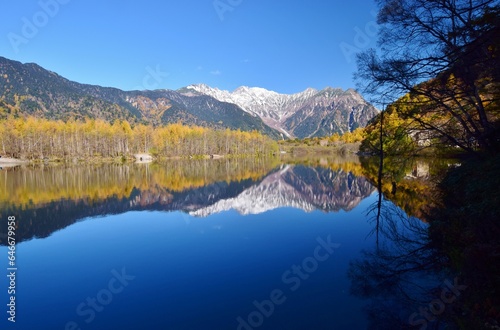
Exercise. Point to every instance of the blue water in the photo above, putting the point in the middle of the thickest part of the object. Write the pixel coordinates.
(192, 273)
(284, 268)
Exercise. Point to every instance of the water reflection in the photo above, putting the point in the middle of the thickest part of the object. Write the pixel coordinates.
(403, 277)
(300, 187)
(410, 183)
(400, 274)
(253, 220)
(46, 199)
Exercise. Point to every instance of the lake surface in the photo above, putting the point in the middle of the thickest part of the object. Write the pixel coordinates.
(212, 244)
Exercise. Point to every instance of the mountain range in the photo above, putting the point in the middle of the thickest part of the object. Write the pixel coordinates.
(33, 90)
(305, 114)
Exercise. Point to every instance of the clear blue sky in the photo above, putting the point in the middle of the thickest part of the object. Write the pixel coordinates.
(284, 46)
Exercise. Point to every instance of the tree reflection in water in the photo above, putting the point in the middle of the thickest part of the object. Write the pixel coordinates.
(403, 275)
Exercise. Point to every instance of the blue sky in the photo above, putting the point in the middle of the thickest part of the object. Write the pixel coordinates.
(285, 46)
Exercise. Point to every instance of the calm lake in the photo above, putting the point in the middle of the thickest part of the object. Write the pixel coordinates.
(207, 244)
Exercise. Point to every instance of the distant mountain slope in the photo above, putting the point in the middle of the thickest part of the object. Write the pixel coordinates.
(306, 114)
(43, 93)
(203, 110)
(35, 91)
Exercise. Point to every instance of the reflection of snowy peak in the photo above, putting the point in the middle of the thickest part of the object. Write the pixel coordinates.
(299, 187)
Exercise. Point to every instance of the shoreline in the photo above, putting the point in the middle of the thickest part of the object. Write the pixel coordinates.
(11, 162)
(5, 161)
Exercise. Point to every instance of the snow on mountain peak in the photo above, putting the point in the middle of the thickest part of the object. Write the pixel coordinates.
(256, 100)
(310, 109)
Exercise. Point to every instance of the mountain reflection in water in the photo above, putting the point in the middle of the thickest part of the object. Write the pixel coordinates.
(222, 235)
(46, 199)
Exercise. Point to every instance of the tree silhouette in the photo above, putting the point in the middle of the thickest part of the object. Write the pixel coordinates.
(444, 56)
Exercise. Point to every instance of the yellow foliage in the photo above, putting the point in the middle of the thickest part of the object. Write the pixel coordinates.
(38, 186)
(36, 138)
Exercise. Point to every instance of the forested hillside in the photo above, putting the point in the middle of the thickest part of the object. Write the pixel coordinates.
(28, 89)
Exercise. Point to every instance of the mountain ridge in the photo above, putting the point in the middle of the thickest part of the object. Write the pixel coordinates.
(33, 90)
(304, 114)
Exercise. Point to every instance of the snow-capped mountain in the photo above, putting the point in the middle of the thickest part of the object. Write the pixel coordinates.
(309, 113)
(299, 187)
(259, 101)
(305, 114)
